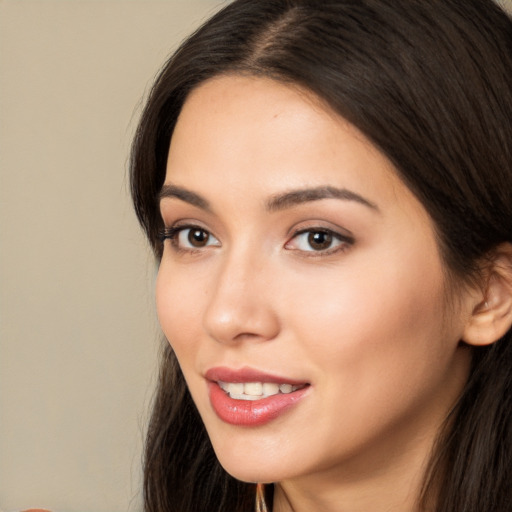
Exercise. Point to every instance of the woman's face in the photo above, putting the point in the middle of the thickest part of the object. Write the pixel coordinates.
(302, 289)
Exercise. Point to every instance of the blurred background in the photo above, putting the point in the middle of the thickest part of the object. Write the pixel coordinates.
(78, 332)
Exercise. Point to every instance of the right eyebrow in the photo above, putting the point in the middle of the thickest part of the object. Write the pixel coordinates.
(184, 195)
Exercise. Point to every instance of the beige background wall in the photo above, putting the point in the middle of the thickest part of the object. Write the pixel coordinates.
(77, 330)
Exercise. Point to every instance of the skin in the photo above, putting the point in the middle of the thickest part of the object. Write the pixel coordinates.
(363, 322)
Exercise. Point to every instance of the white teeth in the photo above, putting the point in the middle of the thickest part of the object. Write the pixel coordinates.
(245, 397)
(237, 388)
(255, 390)
(285, 388)
(269, 389)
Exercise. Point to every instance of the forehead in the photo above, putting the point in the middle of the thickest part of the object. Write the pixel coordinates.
(258, 119)
(251, 136)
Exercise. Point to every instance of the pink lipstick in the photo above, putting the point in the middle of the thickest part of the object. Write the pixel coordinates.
(247, 397)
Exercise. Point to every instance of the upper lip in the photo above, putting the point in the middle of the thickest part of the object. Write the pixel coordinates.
(246, 374)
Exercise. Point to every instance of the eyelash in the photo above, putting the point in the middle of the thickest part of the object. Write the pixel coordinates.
(172, 234)
(345, 241)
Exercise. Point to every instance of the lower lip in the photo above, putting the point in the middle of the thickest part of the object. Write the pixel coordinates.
(252, 413)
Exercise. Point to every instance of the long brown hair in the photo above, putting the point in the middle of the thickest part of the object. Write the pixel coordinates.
(430, 84)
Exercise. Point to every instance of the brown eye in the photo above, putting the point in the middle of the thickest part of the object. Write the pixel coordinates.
(198, 237)
(190, 237)
(320, 240)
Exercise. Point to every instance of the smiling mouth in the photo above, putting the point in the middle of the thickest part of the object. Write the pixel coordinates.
(247, 397)
(256, 390)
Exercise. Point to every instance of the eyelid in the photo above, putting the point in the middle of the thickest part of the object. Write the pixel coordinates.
(345, 241)
(338, 232)
(172, 233)
(171, 228)
(320, 225)
(342, 239)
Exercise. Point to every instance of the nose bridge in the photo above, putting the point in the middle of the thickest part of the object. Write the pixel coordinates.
(240, 306)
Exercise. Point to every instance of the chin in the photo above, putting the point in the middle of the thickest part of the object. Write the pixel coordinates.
(259, 465)
(250, 474)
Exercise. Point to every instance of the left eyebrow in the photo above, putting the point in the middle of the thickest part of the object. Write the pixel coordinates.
(306, 195)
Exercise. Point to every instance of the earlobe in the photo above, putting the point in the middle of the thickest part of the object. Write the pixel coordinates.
(491, 318)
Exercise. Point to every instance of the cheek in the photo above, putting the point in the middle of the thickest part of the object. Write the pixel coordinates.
(376, 346)
(368, 322)
(178, 304)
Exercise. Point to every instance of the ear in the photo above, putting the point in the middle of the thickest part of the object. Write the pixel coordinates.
(491, 317)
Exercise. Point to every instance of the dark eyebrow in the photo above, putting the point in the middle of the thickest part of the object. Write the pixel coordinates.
(295, 197)
(185, 195)
(277, 202)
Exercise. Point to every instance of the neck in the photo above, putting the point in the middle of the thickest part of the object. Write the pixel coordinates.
(384, 478)
(396, 487)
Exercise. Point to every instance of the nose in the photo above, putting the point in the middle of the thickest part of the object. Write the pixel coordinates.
(241, 304)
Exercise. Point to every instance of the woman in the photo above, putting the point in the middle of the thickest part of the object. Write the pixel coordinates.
(328, 189)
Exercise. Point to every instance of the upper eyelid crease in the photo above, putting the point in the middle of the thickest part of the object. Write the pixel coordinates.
(345, 235)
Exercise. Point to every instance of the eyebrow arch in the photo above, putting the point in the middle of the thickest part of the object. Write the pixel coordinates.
(275, 203)
(296, 197)
(185, 195)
